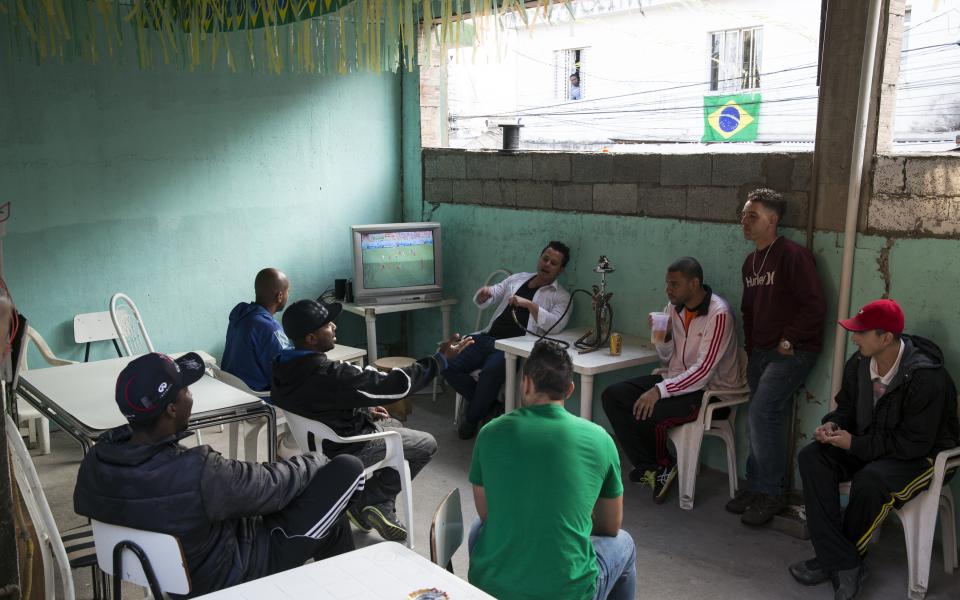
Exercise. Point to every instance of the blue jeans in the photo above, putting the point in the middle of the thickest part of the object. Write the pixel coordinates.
(773, 379)
(616, 558)
(480, 395)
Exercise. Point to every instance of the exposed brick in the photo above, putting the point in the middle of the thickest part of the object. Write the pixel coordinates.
(550, 167)
(515, 166)
(534, 195)
(888, 175)
(591, 168)
(713, 204)
(468, 191)
(444, 165)
(797, 206)
(482, 165)
(437, 190)
(736, 169)
(500, 193)
(933, 176)
(617, 198)
(685, 169)
(663, 202)
(904, 214)
(635, 168)
(802, 169)
(777, 171)
(573, 196)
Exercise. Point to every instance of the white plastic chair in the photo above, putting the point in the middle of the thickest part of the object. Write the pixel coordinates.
(38, 428)
(251, 427)
(446, 530)
(52, 551)
(94, 327)
(129, 325)
(688, 438)
(161, 567)
(460, 405)
(302, 429)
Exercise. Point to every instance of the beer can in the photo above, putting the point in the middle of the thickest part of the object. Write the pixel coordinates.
(616, 344)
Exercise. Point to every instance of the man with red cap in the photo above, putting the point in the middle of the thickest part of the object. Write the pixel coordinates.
(896, 408)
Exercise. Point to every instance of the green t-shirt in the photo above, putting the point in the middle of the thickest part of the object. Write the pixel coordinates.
(542, 470)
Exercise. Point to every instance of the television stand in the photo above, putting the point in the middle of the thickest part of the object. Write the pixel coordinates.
(369, 313)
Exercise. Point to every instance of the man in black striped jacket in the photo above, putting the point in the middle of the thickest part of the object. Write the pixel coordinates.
(349, 400)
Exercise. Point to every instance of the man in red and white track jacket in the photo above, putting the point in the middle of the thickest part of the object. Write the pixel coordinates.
(700, 353)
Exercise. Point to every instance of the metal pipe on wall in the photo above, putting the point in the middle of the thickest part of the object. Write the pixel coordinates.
(853, 191)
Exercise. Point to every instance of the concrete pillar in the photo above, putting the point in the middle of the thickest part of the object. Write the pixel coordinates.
(434, 130)
(845, 29)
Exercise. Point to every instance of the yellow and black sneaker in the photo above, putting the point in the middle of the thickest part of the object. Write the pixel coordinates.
(355, 515)
(385, 521)
(661, 484)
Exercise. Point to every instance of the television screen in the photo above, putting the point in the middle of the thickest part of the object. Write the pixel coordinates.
(397, 259)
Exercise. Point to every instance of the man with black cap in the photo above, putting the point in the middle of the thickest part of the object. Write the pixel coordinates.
(236, 521)
(347, 399)
(896, 408)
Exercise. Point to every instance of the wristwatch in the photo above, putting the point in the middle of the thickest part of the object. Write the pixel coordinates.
(785, 344)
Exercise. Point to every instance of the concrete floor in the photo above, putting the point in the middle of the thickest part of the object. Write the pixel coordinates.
(705, 552)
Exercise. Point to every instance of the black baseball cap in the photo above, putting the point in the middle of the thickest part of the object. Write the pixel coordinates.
(306, 316)
(150, 382)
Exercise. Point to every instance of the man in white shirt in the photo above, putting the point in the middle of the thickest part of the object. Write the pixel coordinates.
(700, 352)
(896, 409)
(532, 302)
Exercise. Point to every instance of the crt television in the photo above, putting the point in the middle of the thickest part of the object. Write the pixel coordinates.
(396, 263)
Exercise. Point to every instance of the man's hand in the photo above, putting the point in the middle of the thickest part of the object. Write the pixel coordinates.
(820, 433)
(451, 348)
(839, 438)
(643, 407)
(519, 302)
(484, 294)
(379, 412)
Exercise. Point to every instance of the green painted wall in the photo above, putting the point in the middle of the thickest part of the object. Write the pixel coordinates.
(176, 188)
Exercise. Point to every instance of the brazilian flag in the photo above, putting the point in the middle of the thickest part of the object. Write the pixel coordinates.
(731, 118)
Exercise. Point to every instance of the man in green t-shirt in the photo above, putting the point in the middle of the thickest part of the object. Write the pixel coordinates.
(548, 491)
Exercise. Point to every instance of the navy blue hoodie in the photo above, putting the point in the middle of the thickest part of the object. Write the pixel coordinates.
(254, 339)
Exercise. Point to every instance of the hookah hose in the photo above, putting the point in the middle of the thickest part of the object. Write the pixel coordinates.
(546, 335)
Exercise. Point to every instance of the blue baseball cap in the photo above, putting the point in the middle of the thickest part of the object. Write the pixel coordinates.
(150, 382)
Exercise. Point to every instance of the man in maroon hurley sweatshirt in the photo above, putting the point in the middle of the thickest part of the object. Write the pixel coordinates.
(783, 315)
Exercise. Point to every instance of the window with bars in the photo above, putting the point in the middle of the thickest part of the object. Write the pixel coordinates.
(565, 64)
(735, 59)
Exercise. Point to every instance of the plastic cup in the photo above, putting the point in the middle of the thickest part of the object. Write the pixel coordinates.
(659, 324)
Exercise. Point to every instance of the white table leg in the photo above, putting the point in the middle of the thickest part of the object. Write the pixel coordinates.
(510, 385)
(586, 396)
(371, 318)
(445, 315)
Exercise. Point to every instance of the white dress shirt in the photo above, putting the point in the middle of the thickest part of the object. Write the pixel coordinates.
(552, 300)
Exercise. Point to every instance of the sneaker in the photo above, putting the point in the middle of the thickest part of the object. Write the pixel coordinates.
(355, 515)
(663, 478)
(645, 477)
(763, 509)
(848, 583)
(385, 521)
(809, 572)
(466, 430)
(738, 505)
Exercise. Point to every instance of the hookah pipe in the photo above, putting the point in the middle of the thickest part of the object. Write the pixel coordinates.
(600, 300)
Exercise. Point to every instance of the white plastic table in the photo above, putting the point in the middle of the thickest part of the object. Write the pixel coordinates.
(369, 314)
(347, 354)
(384, 570)
(80, 399)
(636, 351)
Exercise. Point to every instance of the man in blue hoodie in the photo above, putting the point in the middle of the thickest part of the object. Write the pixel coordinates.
(254, 337)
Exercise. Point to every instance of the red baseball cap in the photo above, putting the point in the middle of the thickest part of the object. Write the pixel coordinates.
(879, 314)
